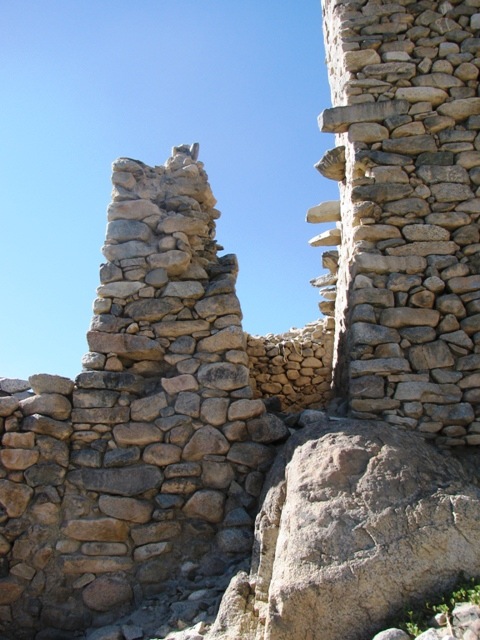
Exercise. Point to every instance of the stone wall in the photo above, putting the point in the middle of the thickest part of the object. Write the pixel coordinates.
(154, 456)
(294, 367)
(404, 79)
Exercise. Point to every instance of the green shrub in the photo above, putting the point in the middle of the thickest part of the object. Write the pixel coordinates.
(417, 620)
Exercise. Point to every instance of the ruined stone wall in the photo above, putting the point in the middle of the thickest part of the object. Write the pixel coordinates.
(404, 79)
(155, 454)
(294, 367)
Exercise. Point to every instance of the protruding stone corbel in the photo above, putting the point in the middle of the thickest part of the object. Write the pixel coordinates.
(327, 307)
(338, 119)
(324, 212)
(330, 260)
(329, 293)
(332, 164)
(330, 238)
(324, 280)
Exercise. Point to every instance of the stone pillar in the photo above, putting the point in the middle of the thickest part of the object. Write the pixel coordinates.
(166, 383)
(155, 456)
(163, 279)
(404, 81)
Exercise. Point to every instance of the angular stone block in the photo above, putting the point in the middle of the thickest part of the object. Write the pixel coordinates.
(205, 441)
(153, 309)
(338, 119)
(155, 532)
(373, 334)
(407, 317)
(205, 504)
(224, 376)
(101, 529)
(47, 383)
(107, 415)
(126, 345)
(132, 210)
(8, 405)
(18, 459)
(225, 339)
(74, 564)
(14, 497)
(138, 511)
(250, 454)
(433, 355)
(245, 409)
(162, 454)
(379, 365)
(128, 481)
(136, 433)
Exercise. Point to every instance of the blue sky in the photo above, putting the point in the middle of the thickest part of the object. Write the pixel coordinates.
(84, 82)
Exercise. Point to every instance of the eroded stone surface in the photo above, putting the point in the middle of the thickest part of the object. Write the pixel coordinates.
(368, 496)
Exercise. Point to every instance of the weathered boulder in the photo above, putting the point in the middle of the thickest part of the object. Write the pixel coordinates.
(358, 518)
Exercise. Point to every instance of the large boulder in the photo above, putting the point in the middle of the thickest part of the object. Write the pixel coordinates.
(358, 519)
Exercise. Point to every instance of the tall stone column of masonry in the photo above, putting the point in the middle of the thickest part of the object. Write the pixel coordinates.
(168, 445)
(404, 80)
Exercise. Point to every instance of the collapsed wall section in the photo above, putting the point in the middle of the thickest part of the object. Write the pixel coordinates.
(404, 79)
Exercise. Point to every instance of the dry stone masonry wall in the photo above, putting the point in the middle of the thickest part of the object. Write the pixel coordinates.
(154, 457)
(295, 367)
(406, 282)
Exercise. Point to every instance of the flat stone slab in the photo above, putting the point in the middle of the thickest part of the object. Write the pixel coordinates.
(338, 119)
(124, 344)
(328, 211)
(330, 238)
(370, 262)
(128, 481)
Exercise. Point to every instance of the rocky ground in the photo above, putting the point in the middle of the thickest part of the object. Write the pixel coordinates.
(464, 624)
(184, 611)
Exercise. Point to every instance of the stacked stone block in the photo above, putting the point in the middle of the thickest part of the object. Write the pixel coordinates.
(404, 80)
(294, 367)
(323, 213)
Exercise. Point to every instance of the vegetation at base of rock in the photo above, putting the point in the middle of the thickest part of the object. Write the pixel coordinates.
(417, 620)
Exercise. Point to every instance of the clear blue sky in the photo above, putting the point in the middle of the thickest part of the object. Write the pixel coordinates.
(84, 82)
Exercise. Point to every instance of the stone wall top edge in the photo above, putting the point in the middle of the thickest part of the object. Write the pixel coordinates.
(294, 333)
